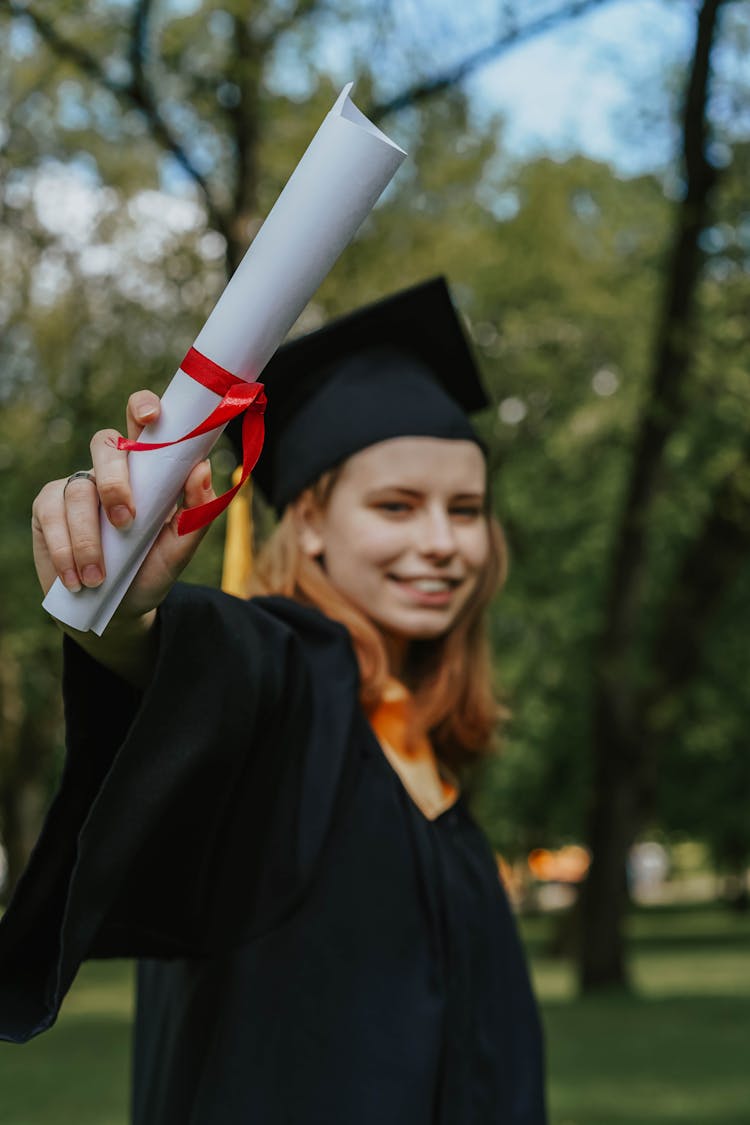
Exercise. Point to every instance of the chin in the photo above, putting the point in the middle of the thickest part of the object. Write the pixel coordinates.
(419, 630)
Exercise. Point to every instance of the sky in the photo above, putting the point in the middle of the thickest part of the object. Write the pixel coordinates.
(578, 87)
(573, 89)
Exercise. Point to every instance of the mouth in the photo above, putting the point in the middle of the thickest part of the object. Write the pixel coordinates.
(427, 590)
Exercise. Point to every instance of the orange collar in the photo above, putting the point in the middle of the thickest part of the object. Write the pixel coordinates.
(390, 720)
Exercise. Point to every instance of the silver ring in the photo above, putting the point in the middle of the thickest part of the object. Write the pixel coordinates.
(87, 473)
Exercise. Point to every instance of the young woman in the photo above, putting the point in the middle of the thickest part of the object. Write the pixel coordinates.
(259, 800)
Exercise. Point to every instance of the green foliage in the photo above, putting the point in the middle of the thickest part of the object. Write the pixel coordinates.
(112, 256)
(560, 322)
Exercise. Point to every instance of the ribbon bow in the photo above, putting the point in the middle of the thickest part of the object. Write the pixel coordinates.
(238, 397)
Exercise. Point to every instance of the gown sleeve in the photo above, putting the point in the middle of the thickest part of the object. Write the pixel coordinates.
(179, 827)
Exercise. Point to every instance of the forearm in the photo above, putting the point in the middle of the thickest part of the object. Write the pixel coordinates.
(127, 648)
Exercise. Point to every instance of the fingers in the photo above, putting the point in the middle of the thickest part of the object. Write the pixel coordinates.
(143, 407)
(171, 552)
(65, 515)
(198, 487)
(177, 550)
(65, 532)
(112, 478)
(81, 508)
(53, 554)
(111, 463)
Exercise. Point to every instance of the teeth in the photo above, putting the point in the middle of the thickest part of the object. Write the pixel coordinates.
(431, 585)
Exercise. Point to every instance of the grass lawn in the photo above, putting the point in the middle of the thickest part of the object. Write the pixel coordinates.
(77, 1073)
(677, 1052)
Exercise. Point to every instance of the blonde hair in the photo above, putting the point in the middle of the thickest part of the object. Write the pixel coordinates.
(450, 677)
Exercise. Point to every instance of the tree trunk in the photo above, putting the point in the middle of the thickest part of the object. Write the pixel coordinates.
(622, 750)
(21, 809)
(613, 826)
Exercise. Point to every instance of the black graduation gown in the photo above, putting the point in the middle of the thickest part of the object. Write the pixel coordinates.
(314, 950)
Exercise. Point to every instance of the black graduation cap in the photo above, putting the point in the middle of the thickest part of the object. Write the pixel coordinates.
(400, 367)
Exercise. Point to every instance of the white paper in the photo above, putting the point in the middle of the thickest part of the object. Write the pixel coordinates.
(335, 185)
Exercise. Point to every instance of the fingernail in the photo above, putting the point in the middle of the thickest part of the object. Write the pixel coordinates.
(120, 516)
(70, 580)
(92, 575)
(146, 414)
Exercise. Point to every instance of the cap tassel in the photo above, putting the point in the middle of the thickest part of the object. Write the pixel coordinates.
(237, 568)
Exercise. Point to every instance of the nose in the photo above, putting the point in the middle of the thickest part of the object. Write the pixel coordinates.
(437, 534)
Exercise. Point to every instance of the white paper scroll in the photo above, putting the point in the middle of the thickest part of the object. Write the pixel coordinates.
(341, 175)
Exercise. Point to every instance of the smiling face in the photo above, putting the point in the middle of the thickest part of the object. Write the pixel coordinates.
(404, 534)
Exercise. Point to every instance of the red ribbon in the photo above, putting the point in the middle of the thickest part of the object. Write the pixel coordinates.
(238, 397)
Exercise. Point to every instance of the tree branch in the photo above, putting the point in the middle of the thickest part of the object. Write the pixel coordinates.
(712, 562)
(512, 37)
(288, 20)
(63, 47)
(135, 94)
(139, 41)
(672, 354)
(244, 71)
(623, 755)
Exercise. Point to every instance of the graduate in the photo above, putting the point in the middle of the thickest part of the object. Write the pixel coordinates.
(262, 798)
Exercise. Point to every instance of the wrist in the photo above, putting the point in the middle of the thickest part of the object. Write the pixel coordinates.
(127, 647)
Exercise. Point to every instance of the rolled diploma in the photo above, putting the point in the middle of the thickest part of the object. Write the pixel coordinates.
(338, 180)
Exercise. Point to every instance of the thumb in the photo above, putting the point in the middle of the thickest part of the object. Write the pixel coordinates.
(198, 490)
(199, 486)
(171, 552)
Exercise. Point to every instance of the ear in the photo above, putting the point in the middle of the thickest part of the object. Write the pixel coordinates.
(308, 520)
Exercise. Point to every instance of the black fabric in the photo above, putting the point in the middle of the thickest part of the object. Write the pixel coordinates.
(376, 395)
(314, 949)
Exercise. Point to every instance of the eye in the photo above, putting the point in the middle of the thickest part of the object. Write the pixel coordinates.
(466, 511)
(394, 507)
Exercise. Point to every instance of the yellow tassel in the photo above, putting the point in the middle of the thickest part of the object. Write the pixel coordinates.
(238, 541)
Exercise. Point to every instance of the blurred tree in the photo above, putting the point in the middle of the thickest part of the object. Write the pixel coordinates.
(143, 143)
(561, 324)
(142, 147)
(630, 678)
(705, 783)
(655, 500)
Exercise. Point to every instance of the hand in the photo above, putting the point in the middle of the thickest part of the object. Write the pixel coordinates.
(65, 520)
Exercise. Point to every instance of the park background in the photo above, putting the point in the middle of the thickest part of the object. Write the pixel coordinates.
(579, 170)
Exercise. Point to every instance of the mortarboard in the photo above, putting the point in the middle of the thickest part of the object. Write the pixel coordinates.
(396, 368)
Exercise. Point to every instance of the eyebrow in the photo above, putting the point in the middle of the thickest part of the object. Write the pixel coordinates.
(417, 492)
